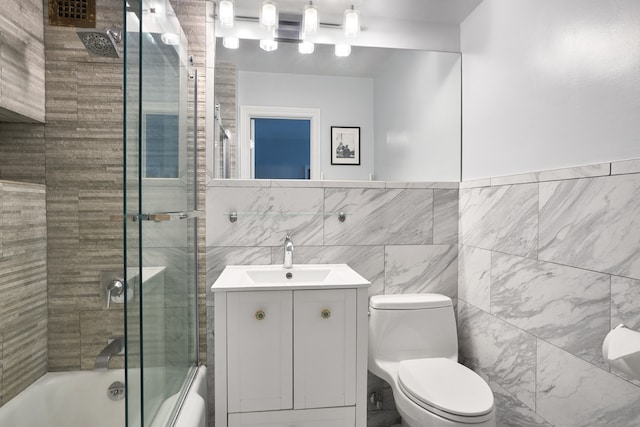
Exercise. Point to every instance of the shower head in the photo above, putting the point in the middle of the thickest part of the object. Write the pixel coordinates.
(101, 42)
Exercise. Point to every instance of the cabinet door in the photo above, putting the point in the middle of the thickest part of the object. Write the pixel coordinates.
(324, 348)
(259, 351)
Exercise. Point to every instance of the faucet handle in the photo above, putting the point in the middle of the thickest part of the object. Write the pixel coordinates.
(288, 237)
(115, 288)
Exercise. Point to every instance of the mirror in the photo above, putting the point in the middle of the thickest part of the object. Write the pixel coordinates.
(406, 104)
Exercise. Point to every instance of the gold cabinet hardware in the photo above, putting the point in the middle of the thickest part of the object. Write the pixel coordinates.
(260, 315)
(325, 313)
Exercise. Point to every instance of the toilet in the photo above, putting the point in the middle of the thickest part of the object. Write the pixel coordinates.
(413, 345)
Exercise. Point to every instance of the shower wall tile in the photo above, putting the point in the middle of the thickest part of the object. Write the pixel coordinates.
(625, 302)
(421, 268)
(23, 286)
(499, 351)
(96, 329)
(273, 213)
(565, 306)
(445, 217)
(510, 412)
(22, 155)
(474, 276)
(592, 223)
(503, 219)
(368, 261)
(572, 392)
(22, 71)
(377, 216)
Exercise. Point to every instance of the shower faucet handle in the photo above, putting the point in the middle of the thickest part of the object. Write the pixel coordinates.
(115, 288)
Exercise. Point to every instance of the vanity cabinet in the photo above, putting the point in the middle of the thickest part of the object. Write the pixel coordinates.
(294, 357)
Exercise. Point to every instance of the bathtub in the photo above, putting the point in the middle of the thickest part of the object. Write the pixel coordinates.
(66, 399)
(79, 399)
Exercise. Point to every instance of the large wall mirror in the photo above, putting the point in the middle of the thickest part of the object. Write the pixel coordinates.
(406, 104)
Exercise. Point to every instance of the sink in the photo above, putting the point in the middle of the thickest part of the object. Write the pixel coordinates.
(300, 276)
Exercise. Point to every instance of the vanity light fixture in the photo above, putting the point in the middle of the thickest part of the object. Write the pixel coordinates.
(231, 42)
(268, 45)
(226, 13)
(310, 21)
(269, 15)
(306, 47)
(351, 22)
(343, 50)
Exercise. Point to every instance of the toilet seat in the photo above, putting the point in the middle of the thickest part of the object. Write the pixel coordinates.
(447, 389)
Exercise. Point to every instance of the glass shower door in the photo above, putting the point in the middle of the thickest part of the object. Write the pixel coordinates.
(161, 214)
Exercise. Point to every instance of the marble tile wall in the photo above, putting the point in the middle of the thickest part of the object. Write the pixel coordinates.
(402, 238)
(548, 263)
(23, 287)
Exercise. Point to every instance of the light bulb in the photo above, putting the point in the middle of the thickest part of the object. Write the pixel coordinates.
(231, 42)
(306, 47)
(343, 50)
(269, 45)
(310, 19)
(226, 13)
(269, 15)
(351, 22)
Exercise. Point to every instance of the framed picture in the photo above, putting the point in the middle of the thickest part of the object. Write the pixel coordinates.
(345, 145)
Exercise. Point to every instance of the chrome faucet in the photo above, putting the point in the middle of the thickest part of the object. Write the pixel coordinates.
(288, 251)
(114, 347)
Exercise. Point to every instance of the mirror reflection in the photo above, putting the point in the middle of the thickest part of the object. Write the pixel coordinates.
(406, 104)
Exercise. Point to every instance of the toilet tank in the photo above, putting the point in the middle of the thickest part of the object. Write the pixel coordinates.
(411, 326)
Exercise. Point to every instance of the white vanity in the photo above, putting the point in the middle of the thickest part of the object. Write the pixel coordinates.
(290, 346)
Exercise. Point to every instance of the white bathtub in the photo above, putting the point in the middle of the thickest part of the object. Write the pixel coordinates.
(79, 399)
(66, 399)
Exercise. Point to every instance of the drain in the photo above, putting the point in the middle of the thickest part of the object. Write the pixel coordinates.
(116, 391)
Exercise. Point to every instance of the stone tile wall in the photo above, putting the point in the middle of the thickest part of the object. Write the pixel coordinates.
(548, 264)
(22, 70)
(23, 287)
(402, 238)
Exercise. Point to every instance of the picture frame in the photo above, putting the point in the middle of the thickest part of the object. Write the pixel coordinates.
(345, 145)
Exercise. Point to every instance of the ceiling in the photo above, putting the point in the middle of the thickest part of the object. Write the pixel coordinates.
(330, 11)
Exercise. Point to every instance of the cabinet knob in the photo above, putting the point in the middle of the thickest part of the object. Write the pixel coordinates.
(260, 315)
(325, 313)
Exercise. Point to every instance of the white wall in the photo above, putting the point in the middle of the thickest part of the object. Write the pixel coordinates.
(549, 84)
(343, 101)
(417, 117)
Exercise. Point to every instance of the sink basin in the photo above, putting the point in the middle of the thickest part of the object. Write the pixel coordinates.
(300, 276)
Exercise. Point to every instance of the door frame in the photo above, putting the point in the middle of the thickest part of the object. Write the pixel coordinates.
(245, 146)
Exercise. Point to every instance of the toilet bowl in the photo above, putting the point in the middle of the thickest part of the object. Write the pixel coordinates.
(413, 346)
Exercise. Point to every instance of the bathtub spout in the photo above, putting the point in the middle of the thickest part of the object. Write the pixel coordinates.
(102, 361)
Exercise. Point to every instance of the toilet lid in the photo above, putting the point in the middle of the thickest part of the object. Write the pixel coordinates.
(446, 385)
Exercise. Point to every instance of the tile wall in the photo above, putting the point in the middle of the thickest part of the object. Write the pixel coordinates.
(23, 287)
(402, 237)
(548, 264)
